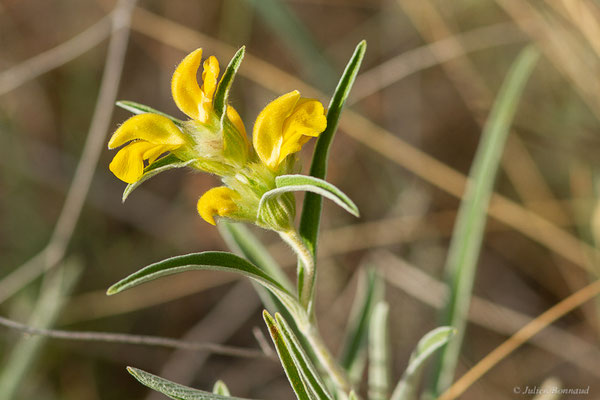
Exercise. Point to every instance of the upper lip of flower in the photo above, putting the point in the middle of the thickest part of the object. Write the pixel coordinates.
(191, 99)
(285, 125)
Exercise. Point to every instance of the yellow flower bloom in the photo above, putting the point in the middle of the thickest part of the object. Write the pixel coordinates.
(217, 201)
(197, 102)
(147, 137)
(285, 125)
(218, 144)
(217, 148)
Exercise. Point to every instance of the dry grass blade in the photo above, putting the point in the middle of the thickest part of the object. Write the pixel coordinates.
(376, 138)
(429, 55)
(517, 162)
(94, 305)
(94, 144)
(182, 366)
(569, 55)
(487, 314)
(53, 58)
(144, 340)
(522, 336)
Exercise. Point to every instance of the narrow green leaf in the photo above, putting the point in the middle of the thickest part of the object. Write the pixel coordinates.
(161, 165)
(222, 92)
(303, 183)
(467, 237)
(427, 346)
(174, 390)
(137, 108)
(379, 350)
(311, 209)
(309, 373)
(287, 361)
(369, 292)
(215, 261)
(221, 388)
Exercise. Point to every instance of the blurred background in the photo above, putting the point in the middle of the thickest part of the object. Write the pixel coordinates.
(404, 147)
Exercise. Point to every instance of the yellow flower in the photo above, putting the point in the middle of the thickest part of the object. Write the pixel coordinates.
(217, 201)
(285, 125)
(147, 137)
(218, 149)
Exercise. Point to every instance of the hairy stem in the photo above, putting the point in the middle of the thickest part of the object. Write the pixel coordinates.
(336, 373)
(310, 331)
(293, 238)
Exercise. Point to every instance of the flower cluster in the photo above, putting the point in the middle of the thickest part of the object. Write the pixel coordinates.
(214, 140)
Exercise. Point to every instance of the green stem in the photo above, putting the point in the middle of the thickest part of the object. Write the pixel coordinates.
(310, 330)
(336, 373)
(293, 238)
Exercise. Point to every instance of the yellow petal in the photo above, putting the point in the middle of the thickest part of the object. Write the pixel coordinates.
(148, 127)
(128, 163)
(267, 135)
(217, 201)
(210, 74)
(236, 120)
(184, 85)
(306, 121)
(152, 154)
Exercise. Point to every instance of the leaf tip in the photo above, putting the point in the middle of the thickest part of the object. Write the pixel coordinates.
(266, 316)
(134, 372)
(114, 289)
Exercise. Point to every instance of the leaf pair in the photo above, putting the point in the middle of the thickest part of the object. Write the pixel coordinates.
(301, 373)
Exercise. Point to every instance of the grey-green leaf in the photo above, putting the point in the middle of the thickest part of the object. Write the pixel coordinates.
(379, 350)
(216, 261)
(304, 183)
(222, 92)
(137, 108)
(174, 390)
(427, 346)
(284, 352)
(161, 165)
